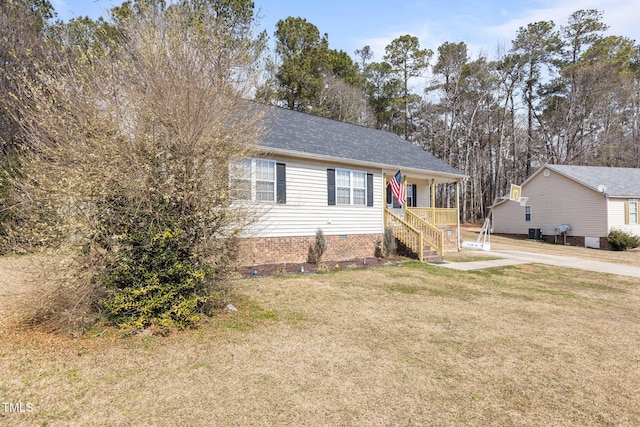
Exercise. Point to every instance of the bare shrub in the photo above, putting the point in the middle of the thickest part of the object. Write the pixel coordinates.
(389, 242)
(63, 295)
(138, 141)
(318, 248)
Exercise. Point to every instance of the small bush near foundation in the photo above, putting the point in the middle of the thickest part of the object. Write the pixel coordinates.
(322, 268)
(318, 248)
(621, 241)
(390, 245)
(378, 251)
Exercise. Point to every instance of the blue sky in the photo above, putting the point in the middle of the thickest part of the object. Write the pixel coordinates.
(352, 24)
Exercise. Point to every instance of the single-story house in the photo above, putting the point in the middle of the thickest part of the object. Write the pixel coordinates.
(314, 173)
(590, 201)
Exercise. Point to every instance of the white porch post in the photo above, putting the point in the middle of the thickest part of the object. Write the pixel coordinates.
(433, 193)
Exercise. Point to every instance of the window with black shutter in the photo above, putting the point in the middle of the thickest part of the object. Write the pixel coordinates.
(281, 183)
(349, 187)
(331, 186)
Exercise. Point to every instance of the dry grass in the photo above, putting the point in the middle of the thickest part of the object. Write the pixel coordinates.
(398, 345)
(501, 242)
(17, 282)
(49, 290)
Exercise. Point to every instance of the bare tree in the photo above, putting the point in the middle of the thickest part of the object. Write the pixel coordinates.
(341, 101)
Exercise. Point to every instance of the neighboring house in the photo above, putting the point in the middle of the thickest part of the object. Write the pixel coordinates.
(592, 200)
(315, 173)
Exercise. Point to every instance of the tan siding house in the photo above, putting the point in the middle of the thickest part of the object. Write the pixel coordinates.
(592, 200)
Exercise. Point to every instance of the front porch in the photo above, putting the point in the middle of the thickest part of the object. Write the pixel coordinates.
(420, 224)
(439, 217)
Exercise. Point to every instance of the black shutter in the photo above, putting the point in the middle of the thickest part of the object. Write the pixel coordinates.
(415, 196)
(281, 183)
(389, 196)
(331, 186)
(369, 189)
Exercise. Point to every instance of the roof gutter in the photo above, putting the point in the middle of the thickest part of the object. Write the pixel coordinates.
(305, 155)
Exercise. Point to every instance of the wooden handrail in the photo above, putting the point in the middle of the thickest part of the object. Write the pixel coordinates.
(437, 216)
(432, 236)
(408, 235)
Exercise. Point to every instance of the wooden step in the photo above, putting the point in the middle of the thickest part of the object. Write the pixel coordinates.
(429, 255)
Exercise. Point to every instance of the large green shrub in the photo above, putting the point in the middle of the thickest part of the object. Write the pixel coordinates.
(154, 281)
(621, 241)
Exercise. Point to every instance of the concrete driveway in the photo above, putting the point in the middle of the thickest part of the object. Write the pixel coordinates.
(518, 257)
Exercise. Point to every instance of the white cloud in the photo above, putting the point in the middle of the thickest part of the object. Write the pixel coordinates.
(620, 15)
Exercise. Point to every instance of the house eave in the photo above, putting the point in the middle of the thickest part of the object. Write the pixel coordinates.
(584, 184)
(622, 197)
(447, 177)
(500, 202)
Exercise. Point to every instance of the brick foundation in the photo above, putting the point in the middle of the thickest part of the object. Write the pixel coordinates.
(450, 238)
(571, 240)
(276, 250)
(578, 241)
(294, 249)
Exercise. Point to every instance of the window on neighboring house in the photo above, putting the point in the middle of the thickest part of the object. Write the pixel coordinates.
(257, 179)
(527, 213)
(633, 212)
(348, 187)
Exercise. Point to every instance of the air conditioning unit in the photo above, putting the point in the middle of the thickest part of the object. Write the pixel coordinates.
(535, 233)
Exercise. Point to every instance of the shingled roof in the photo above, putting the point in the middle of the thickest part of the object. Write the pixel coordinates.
(620, 182)
(295, 133)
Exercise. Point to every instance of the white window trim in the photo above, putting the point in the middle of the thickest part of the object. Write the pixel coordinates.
(351, 187)
(254, 180)
(632, 213)
(530, 213)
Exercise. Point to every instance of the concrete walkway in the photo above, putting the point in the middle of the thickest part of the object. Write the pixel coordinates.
(517, 257)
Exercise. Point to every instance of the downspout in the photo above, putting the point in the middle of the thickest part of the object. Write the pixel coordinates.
(606, 212)
(458, 210)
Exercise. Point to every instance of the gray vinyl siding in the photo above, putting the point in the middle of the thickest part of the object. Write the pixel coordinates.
(307, 206)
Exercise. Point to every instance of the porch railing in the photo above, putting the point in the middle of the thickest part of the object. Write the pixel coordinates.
(437, 216)
(408, 235)
(431, 235)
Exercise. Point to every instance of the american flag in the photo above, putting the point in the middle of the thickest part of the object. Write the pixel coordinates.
(397, 188)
